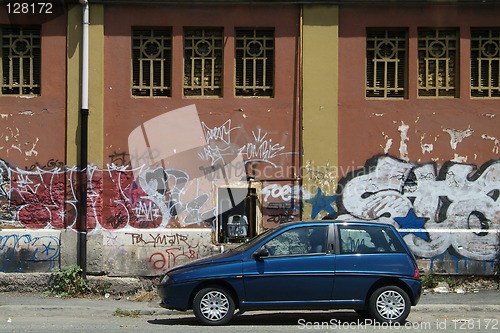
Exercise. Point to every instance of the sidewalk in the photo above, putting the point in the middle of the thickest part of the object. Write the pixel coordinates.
(487, 300)
(470, 301)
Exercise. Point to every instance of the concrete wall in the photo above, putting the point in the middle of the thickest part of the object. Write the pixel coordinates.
(130, 252)
(317, 148)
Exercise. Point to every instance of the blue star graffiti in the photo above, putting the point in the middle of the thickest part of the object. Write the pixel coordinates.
(321, 202)
(412, 224)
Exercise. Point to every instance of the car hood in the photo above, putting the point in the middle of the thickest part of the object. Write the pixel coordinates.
(212, 260)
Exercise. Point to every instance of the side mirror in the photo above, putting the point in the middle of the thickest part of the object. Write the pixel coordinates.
(261, 254)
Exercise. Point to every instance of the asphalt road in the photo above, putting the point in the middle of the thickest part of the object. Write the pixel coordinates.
(470, 312)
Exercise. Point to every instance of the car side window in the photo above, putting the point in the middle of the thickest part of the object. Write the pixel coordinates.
(367, 239)
(297, 241)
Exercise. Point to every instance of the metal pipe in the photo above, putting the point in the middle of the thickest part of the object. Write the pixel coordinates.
(84, 114)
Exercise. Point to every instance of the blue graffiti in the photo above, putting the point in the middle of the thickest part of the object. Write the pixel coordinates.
(412, 224)
(322, 202)
(23, 252)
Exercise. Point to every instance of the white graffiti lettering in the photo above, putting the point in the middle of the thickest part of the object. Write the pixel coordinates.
(458, 199)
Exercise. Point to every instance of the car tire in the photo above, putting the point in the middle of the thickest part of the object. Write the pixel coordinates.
(389, 304)
(213, 306)
(364, 313)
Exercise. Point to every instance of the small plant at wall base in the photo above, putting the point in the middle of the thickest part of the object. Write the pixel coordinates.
(497, 259)
(432, 280)
(68, 281)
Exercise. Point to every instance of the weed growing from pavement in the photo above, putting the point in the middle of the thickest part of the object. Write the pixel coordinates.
(126, 313)
(68, 281)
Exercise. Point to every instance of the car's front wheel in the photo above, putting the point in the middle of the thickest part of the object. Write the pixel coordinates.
(213, 306)
(389, 304)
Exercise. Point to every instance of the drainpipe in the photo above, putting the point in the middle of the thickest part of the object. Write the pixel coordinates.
(84, 114)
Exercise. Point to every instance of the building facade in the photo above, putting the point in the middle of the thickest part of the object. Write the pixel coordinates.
(211, 122)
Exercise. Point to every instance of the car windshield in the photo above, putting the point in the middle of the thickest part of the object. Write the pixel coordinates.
(251, 242)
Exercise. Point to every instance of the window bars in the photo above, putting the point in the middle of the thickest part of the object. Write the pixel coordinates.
(203, 62)
(254, 58)
(485, 62)
(386, 56)
(21, 60)
(151, 62)
(437, 62)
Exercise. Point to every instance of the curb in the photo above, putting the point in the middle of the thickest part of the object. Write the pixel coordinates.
(40, 282)
(454, 307)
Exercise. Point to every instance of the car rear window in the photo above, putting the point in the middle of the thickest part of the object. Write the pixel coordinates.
(368, 239)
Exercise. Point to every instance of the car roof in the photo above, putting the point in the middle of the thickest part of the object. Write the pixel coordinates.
(350, 222)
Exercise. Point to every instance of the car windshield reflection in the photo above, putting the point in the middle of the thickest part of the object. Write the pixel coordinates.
(251, 242)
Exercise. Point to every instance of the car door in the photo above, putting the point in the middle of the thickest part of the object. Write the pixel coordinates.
(366, 254)
(299, 268)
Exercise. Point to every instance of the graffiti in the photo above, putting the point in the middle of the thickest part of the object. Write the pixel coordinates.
(119, 159)
(283, 212)
(456, 208)
(281, 218)
(323, 176)
(19, 251)
(262, 149)
(219, 133)
(39, 198)
(146, 212)
(321, 202)
(155, 199)
(172, 184)
(259, 146)
(5, 180)
(160, 239)
(284, 192)
(171, 257)
(51, 164)
(219, 171)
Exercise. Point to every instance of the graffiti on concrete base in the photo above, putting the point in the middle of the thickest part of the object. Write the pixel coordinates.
(20, 252)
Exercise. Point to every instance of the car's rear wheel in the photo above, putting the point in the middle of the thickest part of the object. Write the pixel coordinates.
(389, 304)
(213, 306)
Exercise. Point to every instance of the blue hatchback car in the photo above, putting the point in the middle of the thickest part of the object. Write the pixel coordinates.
(362, 266)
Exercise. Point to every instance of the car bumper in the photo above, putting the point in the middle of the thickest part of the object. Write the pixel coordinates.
(415, 288)
(175, 296)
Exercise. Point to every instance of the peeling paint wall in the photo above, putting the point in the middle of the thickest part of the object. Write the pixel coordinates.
(435, 170)
(416, 129)
(131, 205)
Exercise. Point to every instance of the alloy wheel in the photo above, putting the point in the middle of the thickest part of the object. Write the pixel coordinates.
(214, 305)
(390, 305)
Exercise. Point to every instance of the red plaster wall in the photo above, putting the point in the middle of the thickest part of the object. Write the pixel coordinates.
(277, 116)
(366, 125)
(45, 125)
(33, 136)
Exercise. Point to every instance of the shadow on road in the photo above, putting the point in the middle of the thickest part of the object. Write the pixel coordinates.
(333, 318)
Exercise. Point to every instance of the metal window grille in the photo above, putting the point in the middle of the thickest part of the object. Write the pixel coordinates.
(21, 60)
(203, 62)
(485, 62)
(437, 62)
(386, 59)
(151, 62)
(254, 53)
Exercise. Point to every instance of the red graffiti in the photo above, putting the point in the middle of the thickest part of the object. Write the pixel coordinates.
(171, 257)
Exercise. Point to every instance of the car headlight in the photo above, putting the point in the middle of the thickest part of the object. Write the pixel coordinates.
(165, 279)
